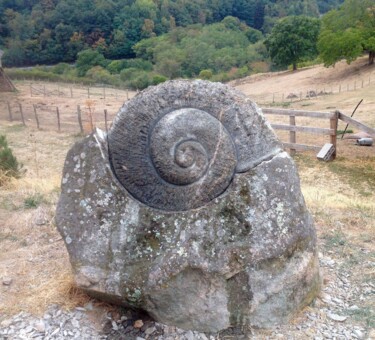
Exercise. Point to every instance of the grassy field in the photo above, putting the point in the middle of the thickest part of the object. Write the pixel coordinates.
(340, 195)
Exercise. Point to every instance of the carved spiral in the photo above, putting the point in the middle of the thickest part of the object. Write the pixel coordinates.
(175, 148)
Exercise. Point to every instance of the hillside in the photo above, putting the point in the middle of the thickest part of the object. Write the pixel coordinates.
(51, 31)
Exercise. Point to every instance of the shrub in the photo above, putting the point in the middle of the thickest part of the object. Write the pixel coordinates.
(33, 201)
(158, 79)
(9, 165)
(205, 74)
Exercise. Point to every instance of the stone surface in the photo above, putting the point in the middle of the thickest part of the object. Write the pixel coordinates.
(245, 255)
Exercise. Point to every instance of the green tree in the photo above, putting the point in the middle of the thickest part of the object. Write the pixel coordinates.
(348, 32)
(88, 59)
(293, 39)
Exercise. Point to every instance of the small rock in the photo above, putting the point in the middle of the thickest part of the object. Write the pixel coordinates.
(7, 281)
(138, 324)
(139, 338)
(5, 323)
(336, 317)
(358, 333)
(55, 331)
(114, 325)
(40, 326)
(150, 330)
(189, 335)
(353, 307)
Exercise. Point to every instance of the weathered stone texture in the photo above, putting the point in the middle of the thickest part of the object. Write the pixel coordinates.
(247, 256)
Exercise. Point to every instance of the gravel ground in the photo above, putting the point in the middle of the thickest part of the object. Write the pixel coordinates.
(336, 314)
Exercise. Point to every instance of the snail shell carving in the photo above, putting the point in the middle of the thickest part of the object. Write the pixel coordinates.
(178, 146)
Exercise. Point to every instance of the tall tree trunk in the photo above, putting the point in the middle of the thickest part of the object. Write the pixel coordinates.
(371, 57)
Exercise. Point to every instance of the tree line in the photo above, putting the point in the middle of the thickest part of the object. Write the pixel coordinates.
(51, 31)
(216, 50)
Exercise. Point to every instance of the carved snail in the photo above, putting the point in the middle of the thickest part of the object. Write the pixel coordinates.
(177, 146)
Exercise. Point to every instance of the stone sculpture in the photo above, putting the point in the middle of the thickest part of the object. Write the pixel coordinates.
(190, 210)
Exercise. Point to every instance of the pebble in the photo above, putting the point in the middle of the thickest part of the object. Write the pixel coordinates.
(7, 281)
(336, 317)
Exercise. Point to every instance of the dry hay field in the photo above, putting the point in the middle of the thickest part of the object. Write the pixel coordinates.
(340, 194)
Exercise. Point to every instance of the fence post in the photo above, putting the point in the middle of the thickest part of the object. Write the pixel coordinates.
(58, 119)
(21, 112)
(106, 119)
(71, 92)
(31, 89)
(104, 91)
(292, 134)
(333, 126)
(36, 116)
(10, 112)
(88, 92)
(79, 118)
(127, 94)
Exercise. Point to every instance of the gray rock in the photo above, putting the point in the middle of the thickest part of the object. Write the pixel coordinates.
(7, 281)
(242, 252)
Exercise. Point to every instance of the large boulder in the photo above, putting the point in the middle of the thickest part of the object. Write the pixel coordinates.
(190, 210)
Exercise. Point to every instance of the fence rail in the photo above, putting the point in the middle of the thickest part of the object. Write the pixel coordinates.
(82, 121)
(292, 145)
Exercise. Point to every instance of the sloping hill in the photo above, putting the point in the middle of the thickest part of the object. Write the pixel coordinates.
(315, 77)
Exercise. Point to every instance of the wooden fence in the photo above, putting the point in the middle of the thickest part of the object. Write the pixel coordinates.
(330, 131)
(82, 122)
(68, 121)
(68, 91)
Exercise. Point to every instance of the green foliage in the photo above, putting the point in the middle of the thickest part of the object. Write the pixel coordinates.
(186, 52)
(205, 74)
(61, 68)
(51, 31)
(158, 79)
(33, 201)
(293, 40)
(348, 32)
(9, 165)
(88, 59)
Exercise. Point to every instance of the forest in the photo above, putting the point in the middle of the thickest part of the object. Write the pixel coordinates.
(51, 31)
(145, 42)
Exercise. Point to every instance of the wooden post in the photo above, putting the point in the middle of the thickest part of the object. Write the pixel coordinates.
(10, 112)
(71, 92)
(106, 119)
(127, 94)
(58, 119)
(104, 91)
(292, 134)
(21, 112)
(79, 118)
(31, 90)
(36, 116)
(340, 88)
(333, 126)
(88, 92)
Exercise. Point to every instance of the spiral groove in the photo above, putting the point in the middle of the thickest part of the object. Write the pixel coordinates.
(174, 148)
